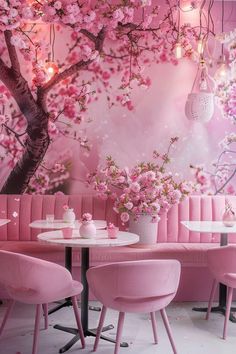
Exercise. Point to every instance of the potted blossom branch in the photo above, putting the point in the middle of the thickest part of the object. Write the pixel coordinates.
(146, 189)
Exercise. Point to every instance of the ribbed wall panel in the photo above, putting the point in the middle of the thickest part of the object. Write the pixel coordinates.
(3, 215)
(162, 229)
(206, 215)
(194, 214)
(184, 233)
(23, 209)
(173, 224)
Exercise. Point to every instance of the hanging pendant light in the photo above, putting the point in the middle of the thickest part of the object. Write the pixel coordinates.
(200, 101)
(222, 73)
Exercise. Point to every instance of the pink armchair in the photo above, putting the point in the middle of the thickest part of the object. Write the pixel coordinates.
(135, 286)
(222, 265)
(35, 281)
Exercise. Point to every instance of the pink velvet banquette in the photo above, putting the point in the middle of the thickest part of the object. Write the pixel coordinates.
(174, 241)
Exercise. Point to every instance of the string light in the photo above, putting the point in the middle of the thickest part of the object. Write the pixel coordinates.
(178, 50)
(222, 72)
(200, 45)
(51, 66)
(51, 69)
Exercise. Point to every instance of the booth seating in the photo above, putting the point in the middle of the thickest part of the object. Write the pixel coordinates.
(174, 241)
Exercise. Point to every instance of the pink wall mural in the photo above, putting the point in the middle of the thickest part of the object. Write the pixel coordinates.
(131, 136)
(52, 147)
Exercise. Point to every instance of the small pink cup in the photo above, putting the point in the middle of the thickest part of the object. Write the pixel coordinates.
(67, 232)
(112, 233)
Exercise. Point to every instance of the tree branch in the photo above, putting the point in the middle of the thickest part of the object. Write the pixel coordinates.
(12, 52)
(4, 71)
(226, 182)
(98, 40)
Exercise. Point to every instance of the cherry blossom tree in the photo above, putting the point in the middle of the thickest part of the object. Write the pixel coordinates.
(221, 176)
(44, 98)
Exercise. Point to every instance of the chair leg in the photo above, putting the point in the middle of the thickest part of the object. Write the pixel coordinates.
(10, 306)
(168, 329)
(36, 328)
(213, 290)
(228, 306)
(45, 313)
(119, 331)
(154, 326)
(78, 321)
(99, 329)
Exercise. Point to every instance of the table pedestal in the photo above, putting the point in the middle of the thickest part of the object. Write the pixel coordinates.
(221, 308)
(84, 309)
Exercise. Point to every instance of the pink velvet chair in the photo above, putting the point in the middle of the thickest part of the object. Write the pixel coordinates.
(135, 286)
(222, 264)
(34, 281)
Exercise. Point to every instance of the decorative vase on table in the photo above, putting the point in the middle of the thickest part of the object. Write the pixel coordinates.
(87, 229)
(228, 218)
(145, 228)
(69, 216)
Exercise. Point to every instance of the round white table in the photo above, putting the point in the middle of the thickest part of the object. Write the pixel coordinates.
(57, 225)
(60, 224)
(214, 227)
(4, 221)
(101, 240)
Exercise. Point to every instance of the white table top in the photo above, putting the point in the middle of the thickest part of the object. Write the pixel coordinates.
(59, 224)
(209, 226)
(4, 221)
(100, 240)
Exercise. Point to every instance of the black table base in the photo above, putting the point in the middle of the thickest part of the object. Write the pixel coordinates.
(67, 302)
(221, 308)
(218, 309)
(89, 333)
(84, 305)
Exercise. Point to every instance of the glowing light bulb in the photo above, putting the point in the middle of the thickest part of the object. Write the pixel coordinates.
(51, 69)
(200, 46)
(222, 72)
(178, 50)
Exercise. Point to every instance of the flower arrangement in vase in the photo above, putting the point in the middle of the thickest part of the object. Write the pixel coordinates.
(87, 228)
(68, 215)
(228, 218)
(145, 188)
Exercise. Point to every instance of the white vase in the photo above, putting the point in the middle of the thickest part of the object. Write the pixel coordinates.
(87, 229)
(69, 216)
(228, 218)
(145, 228)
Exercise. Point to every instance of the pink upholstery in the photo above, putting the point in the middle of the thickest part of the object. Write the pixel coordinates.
(25, 208)
(222, 264)
(34, 281)
(173, 241)
(141, 286)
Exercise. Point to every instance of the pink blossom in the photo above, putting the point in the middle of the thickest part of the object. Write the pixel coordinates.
(86, 217)
(124, 217)
(128, 205)
(57, 5)
(135, 187)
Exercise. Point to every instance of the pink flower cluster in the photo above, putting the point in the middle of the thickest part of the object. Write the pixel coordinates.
(226, 98)
(144, 189)
(86, 217)
(12, 12)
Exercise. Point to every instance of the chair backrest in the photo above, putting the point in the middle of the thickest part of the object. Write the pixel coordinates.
(222, 260)
(135, 285)
(32, 280)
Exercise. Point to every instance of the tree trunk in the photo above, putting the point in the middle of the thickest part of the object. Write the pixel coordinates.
(36, 146)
